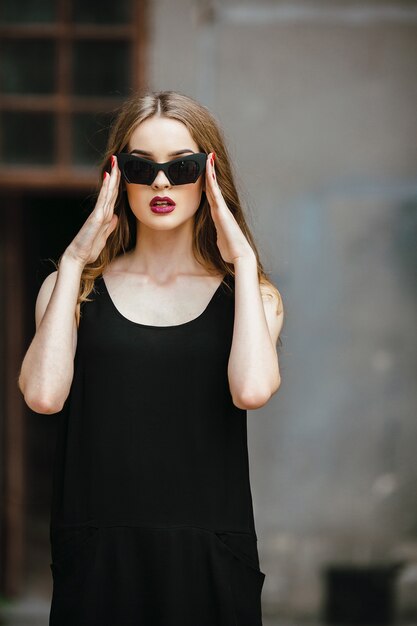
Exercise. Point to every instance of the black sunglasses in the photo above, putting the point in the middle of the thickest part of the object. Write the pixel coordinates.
(181, 171)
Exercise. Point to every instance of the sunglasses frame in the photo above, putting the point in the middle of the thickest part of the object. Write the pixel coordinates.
(124, 157)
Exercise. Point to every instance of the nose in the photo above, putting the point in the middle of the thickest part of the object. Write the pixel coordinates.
(161, 180)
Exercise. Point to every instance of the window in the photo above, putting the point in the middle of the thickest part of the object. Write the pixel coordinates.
(64, 68)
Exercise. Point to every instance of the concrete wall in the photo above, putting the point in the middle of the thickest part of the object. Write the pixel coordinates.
(325, 94)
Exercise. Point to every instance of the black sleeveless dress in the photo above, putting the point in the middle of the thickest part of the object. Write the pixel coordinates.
(151, 517)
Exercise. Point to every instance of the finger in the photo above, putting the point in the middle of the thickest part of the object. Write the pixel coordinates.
(104, 186)
(213, 192)
(208, 165)
(113, 191)
(115, 175)
(211, 172)
(100, 211)
(113, 187)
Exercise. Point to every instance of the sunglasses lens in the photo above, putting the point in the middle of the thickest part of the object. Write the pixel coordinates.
(183, 172)
(142, 172)
(139, 172)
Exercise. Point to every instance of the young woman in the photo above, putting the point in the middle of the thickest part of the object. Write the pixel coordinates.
(154, 336)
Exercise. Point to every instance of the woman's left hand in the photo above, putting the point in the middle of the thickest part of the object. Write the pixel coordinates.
(231, 241)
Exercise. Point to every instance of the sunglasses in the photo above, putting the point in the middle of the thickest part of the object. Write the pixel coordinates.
(181, 171)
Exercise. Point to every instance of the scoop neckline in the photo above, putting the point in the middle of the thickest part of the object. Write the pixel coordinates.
(152, 326)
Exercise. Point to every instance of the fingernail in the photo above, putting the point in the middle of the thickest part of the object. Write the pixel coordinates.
(113, 161)
(104, 175)
(214, 156)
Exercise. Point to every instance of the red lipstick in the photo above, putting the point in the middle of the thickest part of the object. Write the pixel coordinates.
(163, 204)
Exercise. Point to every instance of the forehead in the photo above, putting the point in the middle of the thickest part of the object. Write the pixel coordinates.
(161, 135)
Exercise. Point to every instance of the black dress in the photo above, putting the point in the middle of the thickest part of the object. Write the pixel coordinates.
(151, 517)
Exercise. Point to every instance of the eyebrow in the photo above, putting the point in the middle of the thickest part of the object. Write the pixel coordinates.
(170, 154)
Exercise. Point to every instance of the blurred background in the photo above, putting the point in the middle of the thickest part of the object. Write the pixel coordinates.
(318, 102)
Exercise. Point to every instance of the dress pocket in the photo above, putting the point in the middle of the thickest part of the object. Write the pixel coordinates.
(246, 577)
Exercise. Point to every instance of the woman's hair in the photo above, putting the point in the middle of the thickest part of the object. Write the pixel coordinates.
(206, 132)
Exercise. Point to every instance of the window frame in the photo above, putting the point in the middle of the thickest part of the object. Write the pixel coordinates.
(62, 104)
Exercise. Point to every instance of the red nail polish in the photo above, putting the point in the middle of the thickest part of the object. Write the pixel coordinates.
(104, 175)
(214, 156)
(113, 161)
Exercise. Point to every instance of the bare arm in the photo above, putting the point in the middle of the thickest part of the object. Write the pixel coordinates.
(253, 367)
(48, 366)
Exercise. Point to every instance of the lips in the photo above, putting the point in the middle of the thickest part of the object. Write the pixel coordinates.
(159, 199)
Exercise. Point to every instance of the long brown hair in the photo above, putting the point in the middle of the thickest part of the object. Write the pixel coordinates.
(206, 132)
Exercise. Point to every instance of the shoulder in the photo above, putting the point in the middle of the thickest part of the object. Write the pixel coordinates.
(273, 307)
(271, 296)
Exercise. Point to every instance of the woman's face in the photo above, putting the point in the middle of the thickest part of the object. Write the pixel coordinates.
(160, 137)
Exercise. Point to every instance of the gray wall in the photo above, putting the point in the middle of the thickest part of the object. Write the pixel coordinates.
(326, 94)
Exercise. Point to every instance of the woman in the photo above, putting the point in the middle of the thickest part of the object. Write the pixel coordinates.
(154, 336)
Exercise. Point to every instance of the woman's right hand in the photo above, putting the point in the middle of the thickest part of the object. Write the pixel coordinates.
(92, 237)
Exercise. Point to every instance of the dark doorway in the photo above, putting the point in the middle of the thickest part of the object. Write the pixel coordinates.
(38, 226)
